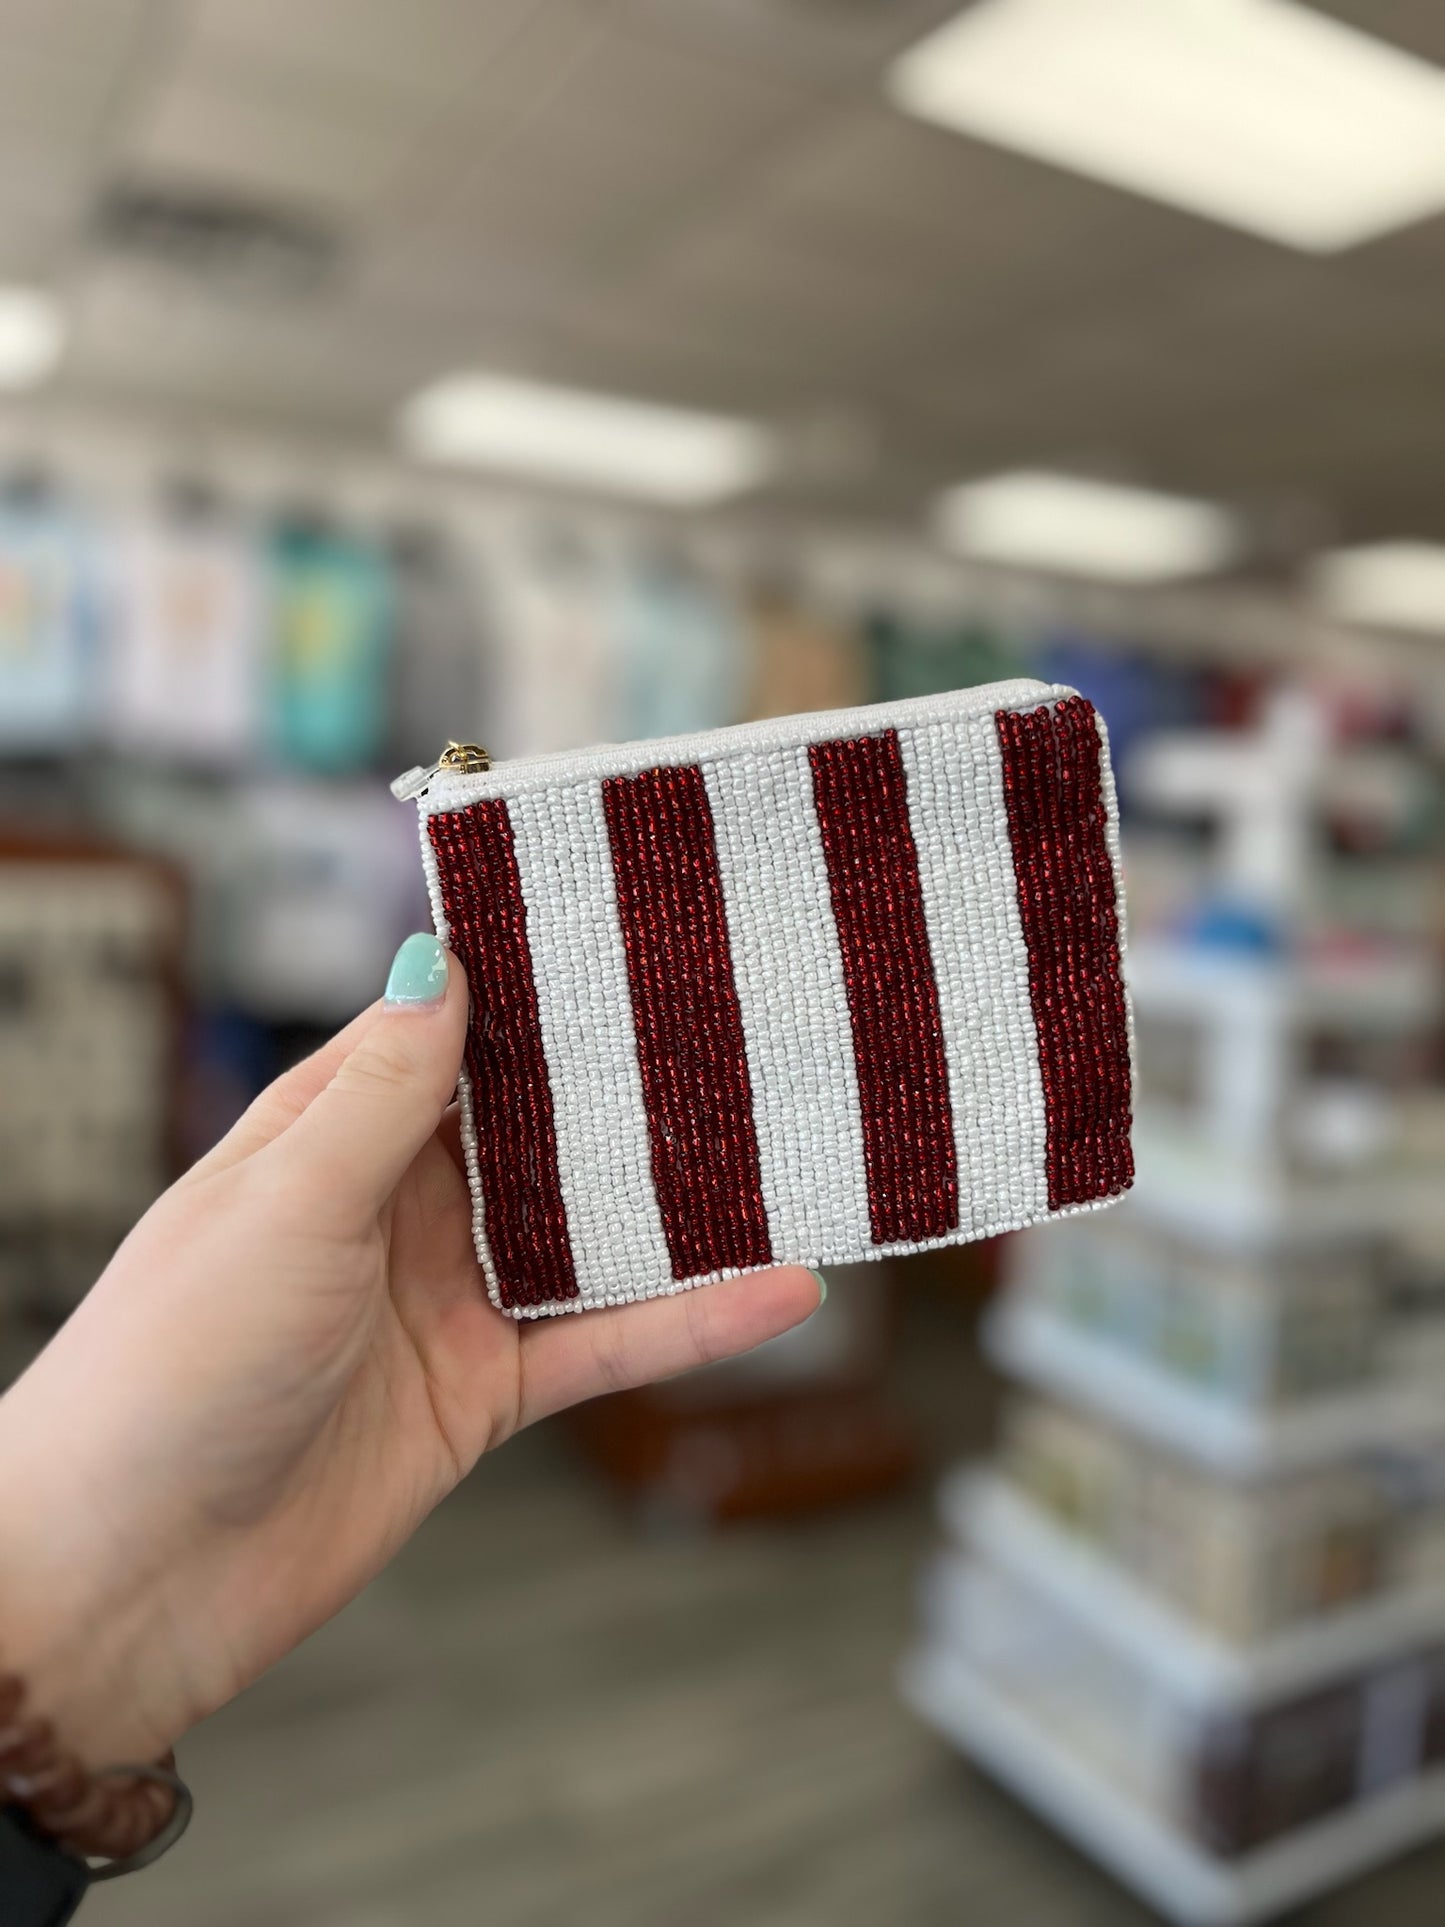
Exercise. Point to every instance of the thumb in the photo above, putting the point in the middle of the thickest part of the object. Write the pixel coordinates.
(355, 1140)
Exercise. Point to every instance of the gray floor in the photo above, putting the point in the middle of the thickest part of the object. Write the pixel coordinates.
(538, 1718)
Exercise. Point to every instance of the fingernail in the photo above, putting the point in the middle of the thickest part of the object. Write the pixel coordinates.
(822, 1286)
(418, 972)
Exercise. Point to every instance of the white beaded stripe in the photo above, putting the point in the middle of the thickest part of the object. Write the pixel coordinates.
(432, 874)
(579, 967)
(981, 967)
(466, 1103)
(789, 980)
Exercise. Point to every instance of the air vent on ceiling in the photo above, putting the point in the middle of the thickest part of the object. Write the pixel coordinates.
(243, 246)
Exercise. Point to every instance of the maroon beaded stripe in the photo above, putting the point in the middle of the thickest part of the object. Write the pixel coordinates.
(860, 791)
(1067, 905)
(690, 1047)
(516, 1140)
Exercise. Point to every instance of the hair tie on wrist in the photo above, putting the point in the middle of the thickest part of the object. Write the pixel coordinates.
(171, 1831)
(127, 1816)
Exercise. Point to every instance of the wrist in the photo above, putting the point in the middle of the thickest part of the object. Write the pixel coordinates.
(84, 1612)
(91, 1670)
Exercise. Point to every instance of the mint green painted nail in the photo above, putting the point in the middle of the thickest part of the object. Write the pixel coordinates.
(822, 1286)
(418, 972)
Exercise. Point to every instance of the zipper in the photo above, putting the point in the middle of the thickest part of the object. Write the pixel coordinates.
(560, 765)
(457, 759)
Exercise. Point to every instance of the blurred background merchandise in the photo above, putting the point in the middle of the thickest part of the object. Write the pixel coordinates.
(542, 371)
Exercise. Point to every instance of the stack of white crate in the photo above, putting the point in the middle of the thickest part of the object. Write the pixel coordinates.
(1195, 1611)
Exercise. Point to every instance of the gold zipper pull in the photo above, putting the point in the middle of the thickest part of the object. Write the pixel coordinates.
(457, 759)
(466, 759)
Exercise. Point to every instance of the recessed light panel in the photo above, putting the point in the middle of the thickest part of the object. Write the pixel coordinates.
(32, 337)
(1036, 520)
(1263, 114)
(583, 440)
(1384, 585)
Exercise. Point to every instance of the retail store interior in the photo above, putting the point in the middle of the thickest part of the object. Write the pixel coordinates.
(381, 373)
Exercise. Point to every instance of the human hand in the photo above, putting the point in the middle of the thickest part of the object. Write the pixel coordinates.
(285, 1366)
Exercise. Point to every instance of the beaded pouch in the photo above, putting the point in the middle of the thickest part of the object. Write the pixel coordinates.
(805, 991)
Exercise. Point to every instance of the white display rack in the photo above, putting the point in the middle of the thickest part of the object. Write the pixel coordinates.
(1263, 1168)
(1185, 1882)
(1385, 990)
(1235, 1204)
(1010, 1533)
(1047, 1353)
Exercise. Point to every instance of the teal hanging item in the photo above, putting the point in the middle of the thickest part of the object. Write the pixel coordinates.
(681, 650)
(331, 648)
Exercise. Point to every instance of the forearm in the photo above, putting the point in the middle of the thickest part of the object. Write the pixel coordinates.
(88, 1685)
(84, 1606)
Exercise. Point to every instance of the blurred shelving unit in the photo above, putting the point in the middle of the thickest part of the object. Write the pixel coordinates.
(1041, 1349)
(1143, 1848)
(989, 1514)
(91, 939)
(1195, 1612)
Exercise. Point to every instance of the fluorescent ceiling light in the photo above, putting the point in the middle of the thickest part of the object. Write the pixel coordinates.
(590, 441)
(1384, 585)
(32, 336)
(1031, 519)
(1263, 114)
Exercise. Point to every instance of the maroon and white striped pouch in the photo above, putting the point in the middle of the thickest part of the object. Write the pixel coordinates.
(805, 991)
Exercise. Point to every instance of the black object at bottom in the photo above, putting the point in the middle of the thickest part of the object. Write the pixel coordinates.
(39, 1885)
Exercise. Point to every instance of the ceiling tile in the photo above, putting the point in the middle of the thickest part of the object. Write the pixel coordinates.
(44, 91)
(505, 92)
(738, 285)
(429, 45)
(92, 32)
(46, 185)
(441, 272)
(574, 198)
(674, 97)
(821, 40)
(635, 344)
(148, 337)
(1416, 25)
(245, 128)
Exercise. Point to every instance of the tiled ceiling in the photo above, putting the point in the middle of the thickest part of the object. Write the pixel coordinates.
(708, 201)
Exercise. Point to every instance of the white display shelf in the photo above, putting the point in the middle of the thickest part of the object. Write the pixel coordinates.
(1033, 1345)
(1181, 769)
(1012, 1534)
(1386, 990)
(1246, 1206)
(1142, 1848)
